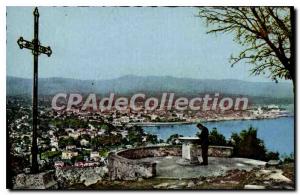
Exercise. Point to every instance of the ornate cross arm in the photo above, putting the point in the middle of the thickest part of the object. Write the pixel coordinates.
(30, 45)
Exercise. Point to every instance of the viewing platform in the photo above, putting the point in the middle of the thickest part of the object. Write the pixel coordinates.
(161, 162)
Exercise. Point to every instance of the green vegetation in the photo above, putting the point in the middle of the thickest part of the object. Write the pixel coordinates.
(152, 139)
(246, 144)
(63, 142)
(78, 158)
(50, 154)
(215, 138)
(288, 158)
(272, 155)
(104, 152)
(172, 139)
(69, 122)
(26, 140)
(106, 141)
(135, 135)
(86, 152)
(85, 136)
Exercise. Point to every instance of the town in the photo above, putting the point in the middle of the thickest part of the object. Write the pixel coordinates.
(75, 138)
(141, 98)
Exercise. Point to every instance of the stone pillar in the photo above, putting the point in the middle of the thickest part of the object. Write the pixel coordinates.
(189, 151)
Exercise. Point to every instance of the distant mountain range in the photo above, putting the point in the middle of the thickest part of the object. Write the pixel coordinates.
(154, 84)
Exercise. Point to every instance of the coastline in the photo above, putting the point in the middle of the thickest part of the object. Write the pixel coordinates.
(153, 124)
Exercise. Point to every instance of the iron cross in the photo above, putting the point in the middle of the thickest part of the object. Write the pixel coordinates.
(37, 49)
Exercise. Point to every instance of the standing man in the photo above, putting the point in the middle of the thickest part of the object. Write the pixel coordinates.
(204, 143)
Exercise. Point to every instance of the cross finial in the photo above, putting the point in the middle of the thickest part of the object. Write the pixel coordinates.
(36, 12)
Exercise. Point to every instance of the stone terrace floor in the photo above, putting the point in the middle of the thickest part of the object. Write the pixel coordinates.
(167, 167)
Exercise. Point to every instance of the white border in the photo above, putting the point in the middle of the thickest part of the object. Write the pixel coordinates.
(5, 3)
(147, 3)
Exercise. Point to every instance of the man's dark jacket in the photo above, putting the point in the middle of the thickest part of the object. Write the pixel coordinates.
(204, 137)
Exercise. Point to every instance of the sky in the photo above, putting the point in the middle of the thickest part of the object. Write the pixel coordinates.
(110, 42)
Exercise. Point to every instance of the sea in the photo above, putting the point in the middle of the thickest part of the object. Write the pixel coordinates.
(278, 133)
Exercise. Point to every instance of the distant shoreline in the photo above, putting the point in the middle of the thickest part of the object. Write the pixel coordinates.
(153, 124)
(150, 124)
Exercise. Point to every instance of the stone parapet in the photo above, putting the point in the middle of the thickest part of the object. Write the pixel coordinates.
(84, 175)
(121, 168)
(127, 164)
(39, 181)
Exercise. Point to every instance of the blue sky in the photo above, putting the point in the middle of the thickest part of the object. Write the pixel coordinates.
(109, 42)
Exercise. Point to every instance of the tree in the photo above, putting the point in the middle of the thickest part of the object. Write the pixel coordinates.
(63, 142)
(217, 139)
(135, 135)
(247, 145)
(265, 33)
(152, 139)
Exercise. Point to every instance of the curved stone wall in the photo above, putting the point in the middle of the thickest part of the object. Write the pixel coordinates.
(172, 150)
(151, 151)
(125, 164)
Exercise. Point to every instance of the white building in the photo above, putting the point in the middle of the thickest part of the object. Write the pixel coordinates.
(68, 154)
(74, 135)
(124, 119)
(70, 147)
(84, 142)
(95, 155)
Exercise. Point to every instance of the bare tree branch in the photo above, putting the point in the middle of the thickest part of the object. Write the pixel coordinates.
(264, 33)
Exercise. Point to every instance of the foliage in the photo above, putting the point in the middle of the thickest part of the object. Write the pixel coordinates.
(265, 34)
(106, 141)
(26, 140)
(86, 137)
(135, 134)
(247, 145)
(46, 140)
(63, 142)
(104, 152)
(272, 156)
(152, 139)
(85, 152)
(289, 158)
(172, 139)
(78, 158)
(217, 139)
(69, 122)
(60, 132)
(104, 126)
(50, 154)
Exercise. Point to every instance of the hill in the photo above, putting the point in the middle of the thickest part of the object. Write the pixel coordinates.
(150, 84)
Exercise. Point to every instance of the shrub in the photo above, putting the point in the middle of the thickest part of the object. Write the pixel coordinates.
(288, 158)
(152, 139)
(104, 152)
(272, 156)
(50, 154)
(172, 139)
(247, 145)
(215, 138)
